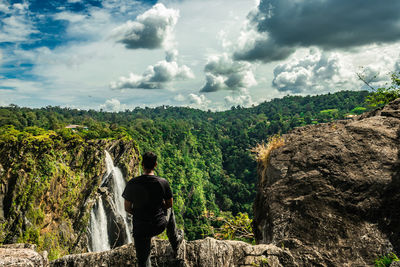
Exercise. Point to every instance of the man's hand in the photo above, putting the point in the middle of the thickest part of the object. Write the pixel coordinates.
(168, 203)
(128, 207)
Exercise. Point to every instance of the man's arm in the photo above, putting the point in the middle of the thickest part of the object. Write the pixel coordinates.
(168, 203)
(128, 207)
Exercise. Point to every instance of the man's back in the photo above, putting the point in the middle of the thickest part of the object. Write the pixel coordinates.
(147, 194)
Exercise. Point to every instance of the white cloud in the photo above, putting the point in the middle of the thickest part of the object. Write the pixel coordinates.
(179, 98)
(93, 26)
(74, 1)
(113, 105)
(244, 100)
(152, 29)
(78, 73)
(4, 6)
(171, 55)
(224, 73)
(22, 92)
(18, 26)
(198, 101)
(156, 76)
(314, 71)
(21, 6)
(69, 16)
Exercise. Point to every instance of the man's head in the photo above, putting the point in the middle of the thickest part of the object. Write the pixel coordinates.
(149, 161)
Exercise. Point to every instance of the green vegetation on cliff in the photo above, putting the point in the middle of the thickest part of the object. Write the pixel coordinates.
(48, 177)
(205, 155)
(386, 260)
(383, 95)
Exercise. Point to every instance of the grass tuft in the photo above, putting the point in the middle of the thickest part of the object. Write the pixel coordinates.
(263, 151)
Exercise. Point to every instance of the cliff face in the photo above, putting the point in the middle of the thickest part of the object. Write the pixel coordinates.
(331, 193)
(47, 187)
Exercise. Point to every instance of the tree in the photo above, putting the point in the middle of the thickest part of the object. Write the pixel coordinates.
(237, 227)
(382, 95)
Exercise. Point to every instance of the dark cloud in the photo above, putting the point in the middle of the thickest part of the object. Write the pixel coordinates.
(264, 49)
(283, 25)
(213, 83)
(150, 30)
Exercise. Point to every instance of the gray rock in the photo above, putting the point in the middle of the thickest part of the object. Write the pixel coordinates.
(23, 255)
(395, 264)
(331, 193)
(199, 253)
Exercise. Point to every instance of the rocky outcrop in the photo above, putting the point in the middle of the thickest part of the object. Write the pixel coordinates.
(48, 184)
(331, 193)
(206, 252)
(21, 255)
(126, 156)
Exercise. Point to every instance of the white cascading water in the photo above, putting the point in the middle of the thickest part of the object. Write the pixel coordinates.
(98, 220)
(118, 189)
(109, 166)
(98, 227)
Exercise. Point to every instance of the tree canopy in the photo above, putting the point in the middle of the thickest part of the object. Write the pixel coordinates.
(205, 155)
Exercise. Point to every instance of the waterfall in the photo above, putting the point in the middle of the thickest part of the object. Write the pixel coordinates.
(112, 183)
(118, 189)
(98, 228)
(109, 167)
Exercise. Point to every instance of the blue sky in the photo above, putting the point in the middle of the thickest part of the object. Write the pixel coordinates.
(119, 54)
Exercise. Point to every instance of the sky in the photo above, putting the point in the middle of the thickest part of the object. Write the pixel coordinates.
(208, 54)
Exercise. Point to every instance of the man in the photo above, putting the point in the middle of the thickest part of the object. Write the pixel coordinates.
(149, 199)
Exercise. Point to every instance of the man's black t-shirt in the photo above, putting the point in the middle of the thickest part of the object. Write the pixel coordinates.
(146, 193)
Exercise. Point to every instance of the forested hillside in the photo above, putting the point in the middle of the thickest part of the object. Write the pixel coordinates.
(205, 155)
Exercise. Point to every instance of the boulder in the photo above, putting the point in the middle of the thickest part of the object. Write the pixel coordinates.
(21, 255)
(331, 193)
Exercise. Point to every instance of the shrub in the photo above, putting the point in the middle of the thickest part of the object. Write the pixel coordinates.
(386, 260)
(384, 95)
(237, 227)
(358, 110)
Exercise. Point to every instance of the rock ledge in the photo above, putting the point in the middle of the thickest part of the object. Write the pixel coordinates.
(199, 253)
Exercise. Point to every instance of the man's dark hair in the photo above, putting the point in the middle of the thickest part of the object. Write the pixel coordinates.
(149, 160)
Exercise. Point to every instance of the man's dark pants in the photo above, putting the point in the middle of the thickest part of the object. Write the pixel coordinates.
(143, 243)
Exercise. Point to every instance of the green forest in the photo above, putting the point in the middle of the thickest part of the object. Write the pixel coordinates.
(205, 155)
